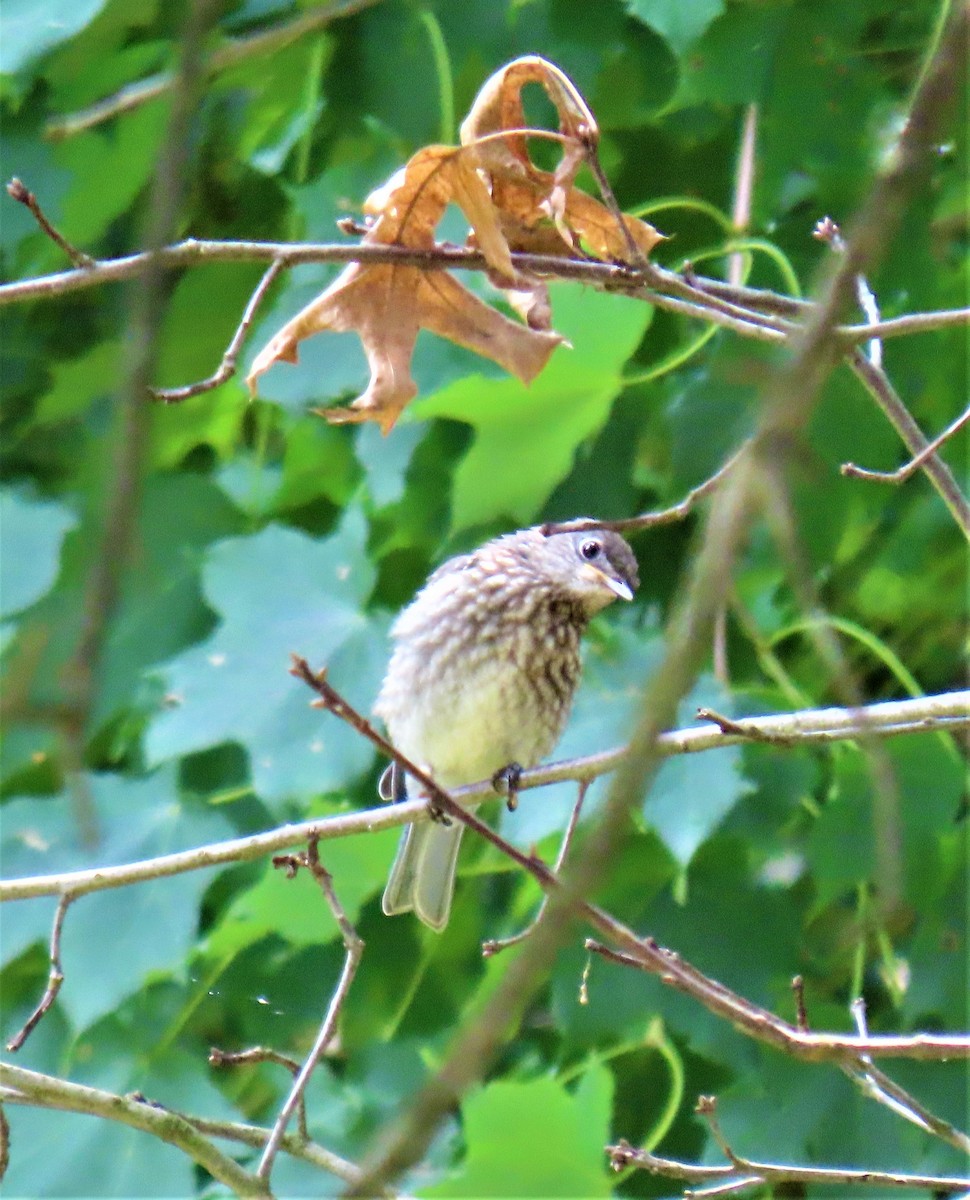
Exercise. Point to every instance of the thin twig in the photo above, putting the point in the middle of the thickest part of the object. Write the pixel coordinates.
(878, 1086)
(899, 416)
(763, 1025)
(745, 1173)
(663, 516)
(748, 732)
(743, 189)
(496, 945)
(786, 1173)
(355, 948)
(259, 1054)
(25, 196)
(255, 1136)
(4, 1142)
(47, 1091)
(54, 979)
(637, 257)
(901, 474)
(801, 1014)
(948, 712)
(227, 368)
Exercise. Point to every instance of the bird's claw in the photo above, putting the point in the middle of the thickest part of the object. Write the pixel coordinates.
(438, 815)
(506, 783)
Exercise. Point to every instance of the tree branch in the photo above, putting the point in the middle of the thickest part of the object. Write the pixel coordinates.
(354, 947)
(912, 437)
(50, 1092)
(948, 712)
(17, 191)
(762, 1025)
(55, 978)
(741, 1173)
(901, 474)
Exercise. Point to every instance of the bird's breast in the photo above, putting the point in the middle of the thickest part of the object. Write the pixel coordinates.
(469, 700)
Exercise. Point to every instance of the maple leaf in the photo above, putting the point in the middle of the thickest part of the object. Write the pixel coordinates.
(387, 304)
(542, 212)
(510, 205)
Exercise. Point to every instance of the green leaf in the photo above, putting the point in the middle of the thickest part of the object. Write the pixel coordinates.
(535, 1139)
(32, 532)
(526, 437)
(681, 22)
(693, 793)
(294, 909)
(138, 930)
(31, 28)
(277, 593)
(127, 154)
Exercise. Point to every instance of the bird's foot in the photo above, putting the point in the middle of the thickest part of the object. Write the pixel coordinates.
(506, 783)
(438, 815)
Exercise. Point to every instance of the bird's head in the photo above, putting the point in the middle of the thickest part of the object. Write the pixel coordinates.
(593, 567)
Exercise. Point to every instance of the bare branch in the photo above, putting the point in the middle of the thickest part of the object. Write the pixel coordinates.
(227, 368)
(937, 471)
(258, 1054)
(50, 1092)
(741, 1173)
(54, 980)
(927, 322)
(878, 1086)
(735, 1179)
(948, 712)
(355, 948)
(24, 196)
(663, 516)
(234, 1131)
(762, 1025)
(901, 474)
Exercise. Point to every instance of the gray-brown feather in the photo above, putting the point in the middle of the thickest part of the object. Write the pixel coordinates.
(485, 664)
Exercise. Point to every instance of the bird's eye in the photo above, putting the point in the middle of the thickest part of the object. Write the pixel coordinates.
(589, 550)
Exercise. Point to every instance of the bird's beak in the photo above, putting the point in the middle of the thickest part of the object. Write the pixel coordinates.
(618, 587)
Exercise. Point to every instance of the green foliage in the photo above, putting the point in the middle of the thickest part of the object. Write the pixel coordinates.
(258, 531)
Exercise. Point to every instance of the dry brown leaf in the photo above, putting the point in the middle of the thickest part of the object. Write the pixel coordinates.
(510, 205)
(387, 304)
(544, 213)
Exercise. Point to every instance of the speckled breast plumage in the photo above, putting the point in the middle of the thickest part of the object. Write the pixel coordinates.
(485, 665)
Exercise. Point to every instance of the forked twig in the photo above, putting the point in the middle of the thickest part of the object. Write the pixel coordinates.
(227, 368)
(258, 1054)
(901, 474)
(355, 948)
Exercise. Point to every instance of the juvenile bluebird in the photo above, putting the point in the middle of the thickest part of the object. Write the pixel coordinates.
(485, 665)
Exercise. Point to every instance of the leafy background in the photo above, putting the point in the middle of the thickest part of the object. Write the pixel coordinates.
(260, 530)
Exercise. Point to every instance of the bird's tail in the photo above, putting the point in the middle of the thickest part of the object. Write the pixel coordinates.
(422, 878)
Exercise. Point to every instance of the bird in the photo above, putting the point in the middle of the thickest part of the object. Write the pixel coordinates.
(485, 663)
